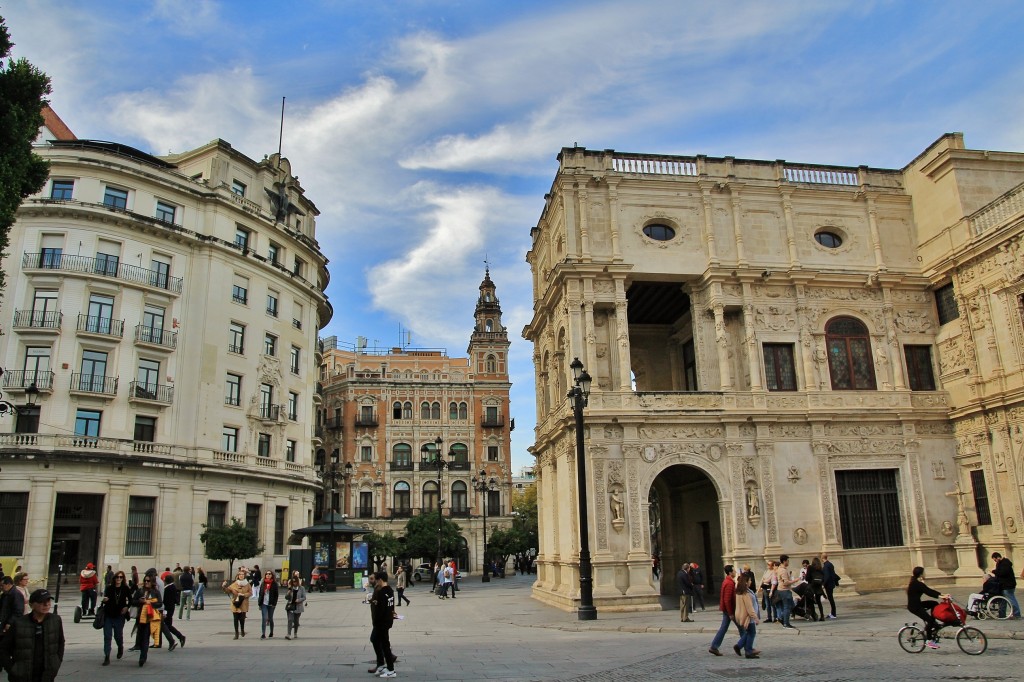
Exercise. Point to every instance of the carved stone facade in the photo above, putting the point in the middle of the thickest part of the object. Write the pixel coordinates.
(706, 297)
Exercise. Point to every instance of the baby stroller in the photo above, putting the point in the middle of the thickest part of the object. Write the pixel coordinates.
(977, 602)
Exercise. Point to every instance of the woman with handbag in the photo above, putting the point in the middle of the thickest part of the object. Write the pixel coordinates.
(266, 596)
(117, 597)
(239, 591)
(295, 604)
(147, 599)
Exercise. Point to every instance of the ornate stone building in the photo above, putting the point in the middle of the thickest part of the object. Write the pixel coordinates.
(383, 407)
(787, 358)
(166, 310)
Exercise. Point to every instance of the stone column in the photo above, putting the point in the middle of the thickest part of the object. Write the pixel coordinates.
(750, 341)
(787, 209)
(622, 336)
(722, 342)
(709, 225)
(613, 218)
(737, 225)
(42, 501)
(584, 227)
(876, 242)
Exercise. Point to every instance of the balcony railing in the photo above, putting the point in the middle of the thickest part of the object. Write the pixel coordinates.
(270, 412)
(156, 336)
(101, 266)
(297, 323)
(23, 378)
(366, 420)
(159, 393)
(37, 319)
(93, 383)
(364, 512)
(402, 466)
(426, 465)
(333, 424)
(459, 513)
(458, 466)
(318, 431)
(401, 512)
(240, 349)
(492, 422)
(100, 325)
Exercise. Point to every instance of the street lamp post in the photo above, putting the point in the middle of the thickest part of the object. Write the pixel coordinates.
(440, 463)
(483, 486)
(579, 395)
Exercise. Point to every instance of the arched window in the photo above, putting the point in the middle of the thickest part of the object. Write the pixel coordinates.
(491, 364)
(460, 500)
(849, 355)
(396, 411)
(453, 411)
(463, 411)
(425, 411)
(407, 410)
(428, 452)
(402, 500)
(489, 325)
(430, 496)
(401, 454)
(460, 453)
(435, 411)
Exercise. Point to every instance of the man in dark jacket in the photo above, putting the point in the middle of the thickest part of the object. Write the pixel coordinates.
(830, 583)
(171, 599)
(34, 647)
(698, 587)
(188, 584)
(684, 583)
(1003, 572)
(382, 614)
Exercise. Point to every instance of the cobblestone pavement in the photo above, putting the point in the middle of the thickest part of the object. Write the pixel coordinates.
(495, 631)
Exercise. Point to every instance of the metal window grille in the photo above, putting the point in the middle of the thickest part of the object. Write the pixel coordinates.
(981, 497)
(869, 508)
(139, 534)
(945, 304)
(13, 517)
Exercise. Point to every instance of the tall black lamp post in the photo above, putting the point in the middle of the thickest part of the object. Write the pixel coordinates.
(483, 486)
(579, 395)
(439, 462)
(331, 473)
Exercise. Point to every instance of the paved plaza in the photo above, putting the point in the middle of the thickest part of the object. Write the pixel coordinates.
(495, 631)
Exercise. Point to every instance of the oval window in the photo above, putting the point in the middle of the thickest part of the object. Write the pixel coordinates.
(829, 240)
(658, 232)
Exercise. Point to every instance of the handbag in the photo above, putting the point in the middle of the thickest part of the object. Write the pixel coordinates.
(101, 616)
(237, 601)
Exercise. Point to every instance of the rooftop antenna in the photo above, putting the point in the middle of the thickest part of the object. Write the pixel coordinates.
(280, 135)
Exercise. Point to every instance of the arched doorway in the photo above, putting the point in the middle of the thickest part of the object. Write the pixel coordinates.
(685, 503)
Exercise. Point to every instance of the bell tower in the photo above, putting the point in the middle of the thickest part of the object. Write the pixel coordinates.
(488, 345)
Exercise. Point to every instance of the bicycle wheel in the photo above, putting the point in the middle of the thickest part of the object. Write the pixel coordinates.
(995, 604)
(911, 639)
(972, 641)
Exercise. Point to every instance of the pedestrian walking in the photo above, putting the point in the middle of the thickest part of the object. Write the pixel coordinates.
(815, 589)
(747, 617)
(266, 596)
(117, 598)
(88, 579)
(33, 649)
(1003, 572)
(187, 583)
(172, 598)
(200, 596)
(401, 580)
(727, 605)
(831, 581)
(295, 604)
(684, 583)
(784, 592)
(697, 576)
(239, 591)
(382, 614)
(11, 606)
(768, 592)
(108, 577)
(149, 602)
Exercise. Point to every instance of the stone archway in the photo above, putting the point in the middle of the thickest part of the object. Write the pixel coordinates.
(685, 501)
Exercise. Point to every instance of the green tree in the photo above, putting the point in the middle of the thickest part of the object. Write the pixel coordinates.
(383, 546)
(421, 536)
(524, 511)
(231, 542)
(504, 542)
(23, 89)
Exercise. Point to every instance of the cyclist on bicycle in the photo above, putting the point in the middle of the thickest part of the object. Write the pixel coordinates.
(922, 609)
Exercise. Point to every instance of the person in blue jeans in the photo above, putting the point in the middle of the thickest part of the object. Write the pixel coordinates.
(785, 591)
(1003, 572)
(727, 605)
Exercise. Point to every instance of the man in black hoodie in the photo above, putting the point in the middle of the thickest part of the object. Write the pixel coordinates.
(382, 613)
(1003, 572)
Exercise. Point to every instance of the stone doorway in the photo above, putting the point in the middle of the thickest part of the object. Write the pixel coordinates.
(684, 501)
(76, 536)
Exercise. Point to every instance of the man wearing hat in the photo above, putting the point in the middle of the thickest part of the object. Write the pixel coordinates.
(18, 650)
(87, 582)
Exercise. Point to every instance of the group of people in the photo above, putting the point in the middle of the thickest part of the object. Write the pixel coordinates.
(446, 576)
(690, 583)
(265, 589)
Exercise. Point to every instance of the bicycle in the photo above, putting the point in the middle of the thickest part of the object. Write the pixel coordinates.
(971, 640)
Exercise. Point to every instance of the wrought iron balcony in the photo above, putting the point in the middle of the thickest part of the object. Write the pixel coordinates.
(16, 379)
(459, 513)
(401, 512)
(37, 319)
(458, 466)
(364, 512)
(333, 424)
(402, 466)
(270, 412)
(159, 393)
(100, 325)
(156, 336)
(105, 267)
(492, 422)
(93, 383)
(366, 420)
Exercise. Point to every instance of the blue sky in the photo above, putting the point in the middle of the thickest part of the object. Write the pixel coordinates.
(426, 132)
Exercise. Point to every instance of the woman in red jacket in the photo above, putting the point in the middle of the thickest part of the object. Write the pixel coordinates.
(87, 582)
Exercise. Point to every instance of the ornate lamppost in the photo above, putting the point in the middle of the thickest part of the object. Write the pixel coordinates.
(579, 395)
(331, 473)
(483, 486)
(439, 462)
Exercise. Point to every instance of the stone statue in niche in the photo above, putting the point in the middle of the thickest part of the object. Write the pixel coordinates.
(617, 507)
(753, 505)
(1011, 525)
(961, 511)
(938, 470)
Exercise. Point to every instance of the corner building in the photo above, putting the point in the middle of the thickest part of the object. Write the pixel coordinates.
(787, 358)
(383, 407)
(166, 310)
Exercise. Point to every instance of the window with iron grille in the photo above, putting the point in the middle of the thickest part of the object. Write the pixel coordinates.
(216, 514)
(263, 445)
(919, 367)
(13, 517)
(165, 212)
(233, 390)
(869, 508)
(252, 517)
(779, 369)
(981, 497)
(945, 304)
(280, 514)
(494, 503)
(139, 533)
